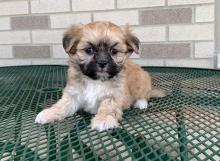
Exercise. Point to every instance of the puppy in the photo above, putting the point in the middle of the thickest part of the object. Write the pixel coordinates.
(101, 79)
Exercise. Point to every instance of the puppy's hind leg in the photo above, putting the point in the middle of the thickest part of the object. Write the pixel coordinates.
(141, 103)
(63, 108)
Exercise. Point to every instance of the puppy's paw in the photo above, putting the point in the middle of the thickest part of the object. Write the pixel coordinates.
(141, 104)
(104, 122)
(46, 116)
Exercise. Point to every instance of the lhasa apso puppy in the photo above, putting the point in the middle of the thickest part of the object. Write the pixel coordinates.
(102, 80)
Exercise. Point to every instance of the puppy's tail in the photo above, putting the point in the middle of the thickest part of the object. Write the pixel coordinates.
(155, 92)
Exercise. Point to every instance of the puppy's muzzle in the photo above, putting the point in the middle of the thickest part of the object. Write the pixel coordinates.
(102, 59)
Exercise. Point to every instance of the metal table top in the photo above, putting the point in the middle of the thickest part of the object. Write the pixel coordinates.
(185, 125)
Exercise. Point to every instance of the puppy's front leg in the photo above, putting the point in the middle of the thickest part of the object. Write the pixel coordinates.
(63, 108)
(108, 115)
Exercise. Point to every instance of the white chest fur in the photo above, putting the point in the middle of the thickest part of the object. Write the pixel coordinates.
(93, 93)
(87, 95)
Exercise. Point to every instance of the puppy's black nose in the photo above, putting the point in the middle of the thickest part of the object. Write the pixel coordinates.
(102, 59)
(102, 64)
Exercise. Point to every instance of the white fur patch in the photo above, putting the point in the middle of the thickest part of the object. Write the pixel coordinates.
(89, 95)
(141, 104)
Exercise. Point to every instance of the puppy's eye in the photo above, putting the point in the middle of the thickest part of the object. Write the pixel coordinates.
(113, 51)
(89, 50)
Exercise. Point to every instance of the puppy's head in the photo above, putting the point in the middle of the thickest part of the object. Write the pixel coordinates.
(100, 48)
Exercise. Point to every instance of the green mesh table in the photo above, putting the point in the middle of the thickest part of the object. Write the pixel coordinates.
(185, 125)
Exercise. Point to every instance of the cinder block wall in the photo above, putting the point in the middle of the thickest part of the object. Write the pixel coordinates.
(172, 32)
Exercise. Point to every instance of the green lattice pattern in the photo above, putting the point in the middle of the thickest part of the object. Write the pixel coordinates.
(184, 126)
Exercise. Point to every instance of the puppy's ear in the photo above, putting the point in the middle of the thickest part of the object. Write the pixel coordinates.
(132, 41)
(71, 39)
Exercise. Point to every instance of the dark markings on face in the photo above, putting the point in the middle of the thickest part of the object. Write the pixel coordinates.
(102, 66)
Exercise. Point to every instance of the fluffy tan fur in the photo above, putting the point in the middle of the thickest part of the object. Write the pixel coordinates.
(106, 99)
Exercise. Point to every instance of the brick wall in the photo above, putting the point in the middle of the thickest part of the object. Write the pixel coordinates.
(172, 32)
